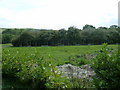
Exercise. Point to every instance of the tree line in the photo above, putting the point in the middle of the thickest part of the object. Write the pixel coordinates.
(73, 36)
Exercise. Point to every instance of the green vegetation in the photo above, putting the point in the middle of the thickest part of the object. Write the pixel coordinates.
(25, 65)
(60, 54)
(107, 68)
(89, 35)
(5, 45)
(34, 67)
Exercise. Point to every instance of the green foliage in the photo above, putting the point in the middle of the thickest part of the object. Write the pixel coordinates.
(81, 83)
(6, 38)
(113, 36)
(32, 70)
(55, 79)
(107, 68)
(88, 27)
(72, 36)
(24, 39)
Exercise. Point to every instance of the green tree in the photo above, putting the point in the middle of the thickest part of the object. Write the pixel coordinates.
(99, 36)
(113, 27)
(62, 37)
(88, 27)
(73, 35)
(86, 36)
(113, 36)
(23, 40)
(6, 38)
(102, 28)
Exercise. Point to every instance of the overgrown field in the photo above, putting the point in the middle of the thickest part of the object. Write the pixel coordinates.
(33, 65)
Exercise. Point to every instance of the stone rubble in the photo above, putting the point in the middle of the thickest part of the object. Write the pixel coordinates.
(85, 71)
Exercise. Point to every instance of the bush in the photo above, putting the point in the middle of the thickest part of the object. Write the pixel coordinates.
(107, 68)
(31, 71)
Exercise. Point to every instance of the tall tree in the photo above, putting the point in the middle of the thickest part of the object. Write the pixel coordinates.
(73, 35)
(113, 27)
(88, 27)
(23, 40)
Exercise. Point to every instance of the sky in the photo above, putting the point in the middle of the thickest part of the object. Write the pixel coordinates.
(57, 14)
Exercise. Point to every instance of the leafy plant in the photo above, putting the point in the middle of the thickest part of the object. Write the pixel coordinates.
(32, 70)
(107, 68)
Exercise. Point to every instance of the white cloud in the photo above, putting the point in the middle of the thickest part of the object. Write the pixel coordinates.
(56, 14)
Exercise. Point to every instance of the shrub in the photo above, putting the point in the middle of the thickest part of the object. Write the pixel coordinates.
(107, 68)
(31, 71)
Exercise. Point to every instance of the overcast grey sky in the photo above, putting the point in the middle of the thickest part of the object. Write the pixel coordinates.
(57, 14)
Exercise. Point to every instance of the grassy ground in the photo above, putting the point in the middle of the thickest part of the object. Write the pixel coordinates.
(5, 45)
(60, 54)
